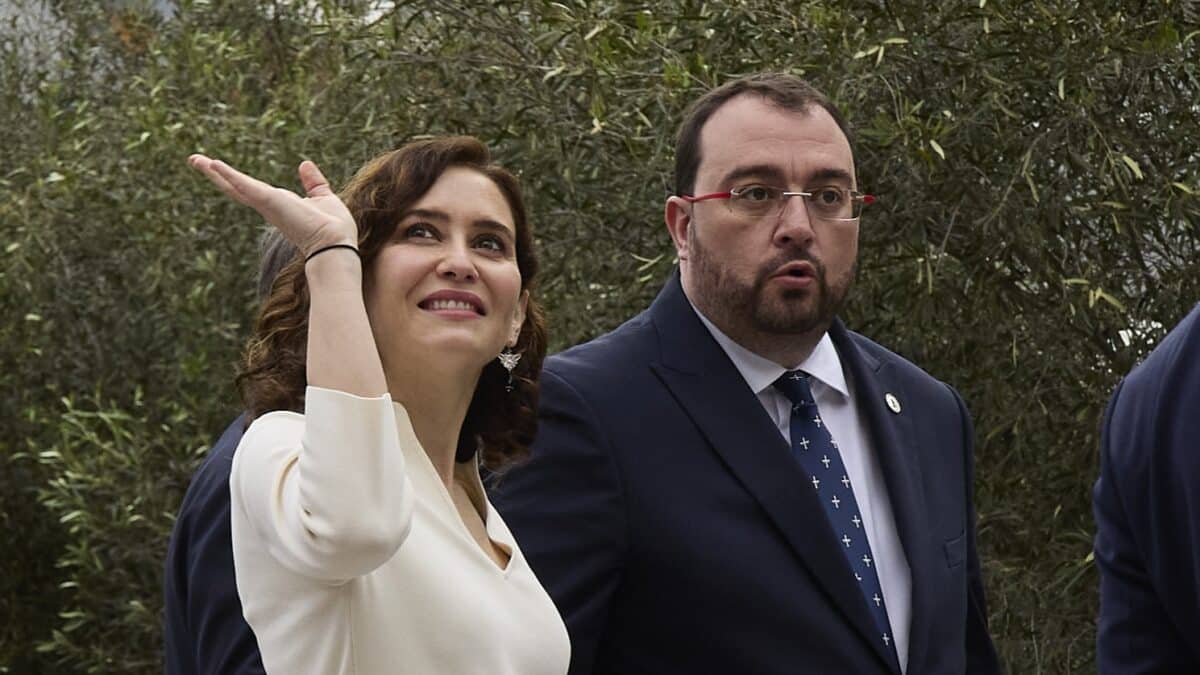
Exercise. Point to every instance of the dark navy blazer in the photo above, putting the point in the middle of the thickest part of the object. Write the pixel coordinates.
(1147, 506)
(665, 515)
(203, 628)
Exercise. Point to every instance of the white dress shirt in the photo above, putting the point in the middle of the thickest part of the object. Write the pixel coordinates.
(834, 395)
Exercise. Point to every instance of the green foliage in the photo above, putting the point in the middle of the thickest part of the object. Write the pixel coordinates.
(115, 481)
(1040, 195)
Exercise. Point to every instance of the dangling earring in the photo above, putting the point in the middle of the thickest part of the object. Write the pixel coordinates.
(509, 359)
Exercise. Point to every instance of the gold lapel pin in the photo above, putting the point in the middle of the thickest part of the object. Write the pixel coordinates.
(893, 403)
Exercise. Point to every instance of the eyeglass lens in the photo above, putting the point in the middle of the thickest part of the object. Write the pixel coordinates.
(824, 203)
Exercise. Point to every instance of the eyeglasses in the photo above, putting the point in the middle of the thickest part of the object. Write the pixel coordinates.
(762, 201)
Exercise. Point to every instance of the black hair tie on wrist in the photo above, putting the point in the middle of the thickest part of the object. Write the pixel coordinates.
(321, 250)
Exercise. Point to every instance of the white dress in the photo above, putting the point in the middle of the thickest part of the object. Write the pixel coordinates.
(352, 558)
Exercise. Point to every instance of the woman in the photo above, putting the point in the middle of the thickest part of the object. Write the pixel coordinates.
(363, 540)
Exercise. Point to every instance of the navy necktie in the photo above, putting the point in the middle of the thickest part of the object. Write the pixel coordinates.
(814, 447)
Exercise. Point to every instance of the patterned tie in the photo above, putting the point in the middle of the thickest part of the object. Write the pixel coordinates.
(814, 447)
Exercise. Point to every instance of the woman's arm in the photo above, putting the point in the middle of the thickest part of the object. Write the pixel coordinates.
(341, 349)
(326, 494)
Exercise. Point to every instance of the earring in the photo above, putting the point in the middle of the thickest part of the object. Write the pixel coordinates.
(509, 360)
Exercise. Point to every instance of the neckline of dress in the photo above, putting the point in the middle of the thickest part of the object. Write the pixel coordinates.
(470, 472)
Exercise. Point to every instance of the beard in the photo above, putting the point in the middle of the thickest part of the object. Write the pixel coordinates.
(738, 307)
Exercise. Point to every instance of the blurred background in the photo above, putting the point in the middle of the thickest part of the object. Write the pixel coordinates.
(1037, 232)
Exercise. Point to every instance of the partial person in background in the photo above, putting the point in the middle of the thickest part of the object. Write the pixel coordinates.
(1147, 506)
(732, 481)
(404, 344)
(203, 628)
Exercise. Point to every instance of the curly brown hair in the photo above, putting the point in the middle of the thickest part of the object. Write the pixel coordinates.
(499, 423)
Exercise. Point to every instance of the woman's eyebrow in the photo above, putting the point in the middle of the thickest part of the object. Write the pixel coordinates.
(443, 217)
(428, 214)
(489, 224)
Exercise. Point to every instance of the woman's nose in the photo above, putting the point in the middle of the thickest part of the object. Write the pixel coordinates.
(457, 264)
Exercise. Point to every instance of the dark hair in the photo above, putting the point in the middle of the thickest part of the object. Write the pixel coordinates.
(789, 92)
(499, 423)
(275, 251)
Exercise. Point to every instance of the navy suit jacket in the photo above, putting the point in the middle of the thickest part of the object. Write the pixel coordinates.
(1147, 506)
(665, 515)
(203, 625)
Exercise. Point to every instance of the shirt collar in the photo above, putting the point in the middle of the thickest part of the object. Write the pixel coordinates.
(823, 364)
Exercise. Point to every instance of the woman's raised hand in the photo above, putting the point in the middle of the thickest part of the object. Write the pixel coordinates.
(310, 223)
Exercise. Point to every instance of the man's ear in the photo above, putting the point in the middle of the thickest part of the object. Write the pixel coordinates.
(678, 216)
(518, 319)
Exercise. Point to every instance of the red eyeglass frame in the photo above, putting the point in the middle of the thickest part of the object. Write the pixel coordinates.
(867, 199)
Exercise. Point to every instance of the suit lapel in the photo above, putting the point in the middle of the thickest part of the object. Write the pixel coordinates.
(693, 366)
(893, 441)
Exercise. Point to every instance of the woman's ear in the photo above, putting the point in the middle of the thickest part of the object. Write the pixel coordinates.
(518, 319)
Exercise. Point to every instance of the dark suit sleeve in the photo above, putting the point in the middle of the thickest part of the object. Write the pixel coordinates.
(565, 507)
(981, 653)
(204, 630)
(1134, 634)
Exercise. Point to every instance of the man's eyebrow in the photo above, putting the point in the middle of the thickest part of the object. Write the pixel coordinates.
(761, 171)
(831, 174)
(769, 172)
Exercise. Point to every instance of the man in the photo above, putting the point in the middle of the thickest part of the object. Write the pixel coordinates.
(203, 627)
(733, 482)
(1147, 505)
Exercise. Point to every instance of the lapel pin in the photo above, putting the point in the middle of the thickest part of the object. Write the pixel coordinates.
(893, 403)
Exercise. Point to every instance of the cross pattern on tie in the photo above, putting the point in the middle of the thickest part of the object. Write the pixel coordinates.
(813, 446)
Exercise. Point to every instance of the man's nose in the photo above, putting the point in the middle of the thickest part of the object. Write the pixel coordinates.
(793, 225)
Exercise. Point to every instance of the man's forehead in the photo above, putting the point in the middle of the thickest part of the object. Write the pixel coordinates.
(760, 107)
(750, 134)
